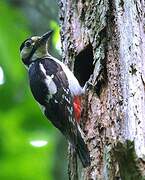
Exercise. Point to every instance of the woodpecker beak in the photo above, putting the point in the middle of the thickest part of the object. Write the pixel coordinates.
(43, 39)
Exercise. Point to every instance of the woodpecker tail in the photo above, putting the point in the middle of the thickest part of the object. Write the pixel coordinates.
(82, 150)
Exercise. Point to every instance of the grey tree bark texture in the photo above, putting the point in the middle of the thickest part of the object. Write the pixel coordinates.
(106, 38)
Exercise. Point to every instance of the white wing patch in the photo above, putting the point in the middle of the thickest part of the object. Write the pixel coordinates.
(42, 69)
(49, 81)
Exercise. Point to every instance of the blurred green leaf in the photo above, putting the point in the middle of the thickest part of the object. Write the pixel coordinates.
(56, 37)
(21, 119)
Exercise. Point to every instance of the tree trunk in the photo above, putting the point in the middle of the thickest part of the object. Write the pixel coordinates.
(107, 39)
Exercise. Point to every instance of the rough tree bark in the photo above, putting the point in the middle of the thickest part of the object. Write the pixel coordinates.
(106, 38)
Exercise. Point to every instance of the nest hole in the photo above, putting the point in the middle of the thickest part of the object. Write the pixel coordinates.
(83, 66)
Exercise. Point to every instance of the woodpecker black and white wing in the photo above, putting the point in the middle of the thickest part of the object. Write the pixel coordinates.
(50, 87)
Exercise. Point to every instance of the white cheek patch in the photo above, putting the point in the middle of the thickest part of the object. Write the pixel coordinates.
(40, 52)
(49, 81)
(37, 55)
(25, 53)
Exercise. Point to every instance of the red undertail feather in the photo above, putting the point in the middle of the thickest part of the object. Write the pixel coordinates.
(77, 108)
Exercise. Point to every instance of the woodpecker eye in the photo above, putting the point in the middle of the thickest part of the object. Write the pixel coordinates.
(28, 44)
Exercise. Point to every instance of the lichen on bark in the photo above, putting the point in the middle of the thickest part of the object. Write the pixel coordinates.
(129, 164)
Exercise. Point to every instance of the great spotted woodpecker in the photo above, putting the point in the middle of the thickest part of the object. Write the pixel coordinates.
(57, 90)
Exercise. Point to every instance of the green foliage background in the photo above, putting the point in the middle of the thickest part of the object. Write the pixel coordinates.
(20, 117)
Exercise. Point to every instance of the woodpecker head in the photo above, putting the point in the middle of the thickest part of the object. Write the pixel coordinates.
(34, 47)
